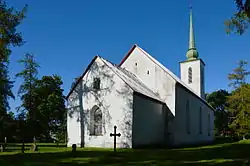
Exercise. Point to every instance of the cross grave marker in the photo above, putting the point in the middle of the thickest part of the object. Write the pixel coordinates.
(115, 135)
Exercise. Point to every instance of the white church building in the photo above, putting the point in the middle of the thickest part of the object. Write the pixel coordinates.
(147, 102)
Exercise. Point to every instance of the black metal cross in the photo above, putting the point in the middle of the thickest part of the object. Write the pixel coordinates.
(115, 135)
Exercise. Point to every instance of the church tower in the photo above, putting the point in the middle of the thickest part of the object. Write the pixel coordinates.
(192, 69)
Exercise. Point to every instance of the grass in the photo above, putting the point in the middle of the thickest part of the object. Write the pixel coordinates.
(226, 154)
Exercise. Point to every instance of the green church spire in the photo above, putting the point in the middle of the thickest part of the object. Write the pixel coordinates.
(192, 52)
(191, 32)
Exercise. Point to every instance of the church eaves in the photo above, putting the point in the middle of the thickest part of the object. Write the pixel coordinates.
(178, 80)
(129, 78)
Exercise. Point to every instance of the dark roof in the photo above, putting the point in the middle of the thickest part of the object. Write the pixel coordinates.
(123, 60)
(168, 71)
(129, 78)
(132, 81)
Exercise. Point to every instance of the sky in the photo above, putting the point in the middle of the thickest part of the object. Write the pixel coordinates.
(65, 35)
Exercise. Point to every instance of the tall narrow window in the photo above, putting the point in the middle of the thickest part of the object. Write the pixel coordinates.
(190, 75)
(200, 121)
(96, 83)
(209, 123)
(96, 121)
(187, 117)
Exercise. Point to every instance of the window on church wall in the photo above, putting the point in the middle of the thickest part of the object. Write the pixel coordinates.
(135, 67)
(208, 125)
(95, 121)
(148, 72)
(190, 75)
(96, 83)
(188, 117)
(200, 120)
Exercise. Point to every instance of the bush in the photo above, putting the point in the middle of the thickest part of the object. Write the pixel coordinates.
(247, 136)
(227, 139)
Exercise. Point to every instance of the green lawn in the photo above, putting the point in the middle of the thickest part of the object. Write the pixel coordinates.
(227, 154)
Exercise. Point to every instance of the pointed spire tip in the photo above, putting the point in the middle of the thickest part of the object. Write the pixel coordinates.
(192, 52)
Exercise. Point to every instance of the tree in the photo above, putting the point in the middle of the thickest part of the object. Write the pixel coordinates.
(239, 101)
(9, 36)
(218, 100)
(239, 22)
(239, 107)
(26, 90)
(21, 127)
(51, 107)
(239, 75)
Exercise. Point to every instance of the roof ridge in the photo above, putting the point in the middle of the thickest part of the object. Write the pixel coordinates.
(138, 79)
(176, 78)
(143, 87)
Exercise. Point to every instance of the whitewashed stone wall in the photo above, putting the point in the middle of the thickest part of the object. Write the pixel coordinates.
(181, 135)
(197, 71)
(115, 99)
(148, 122)
(157, 79)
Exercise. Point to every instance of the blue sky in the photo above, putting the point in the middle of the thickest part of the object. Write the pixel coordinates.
(66, 35)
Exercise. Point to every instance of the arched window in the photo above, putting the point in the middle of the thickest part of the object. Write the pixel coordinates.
(96, 121)
(190, 75)
(209, 123)
(200, 121)
(187, 117)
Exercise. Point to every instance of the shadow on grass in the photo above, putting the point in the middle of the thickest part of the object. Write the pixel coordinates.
(231, 154)
(38, 144)
(11, 147)
(217, 142)
(15, 149)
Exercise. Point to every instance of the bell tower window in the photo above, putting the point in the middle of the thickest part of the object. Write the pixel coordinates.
(190, 75)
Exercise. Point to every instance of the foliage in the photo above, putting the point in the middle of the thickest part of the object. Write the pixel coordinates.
(21, 131)
(42, 102)
(10, 18)
(239, 22)
(218, 100)
(26, 90)
(51, 107)
(29, 76)
(239, 107)
(239, 75)
(239, 101)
